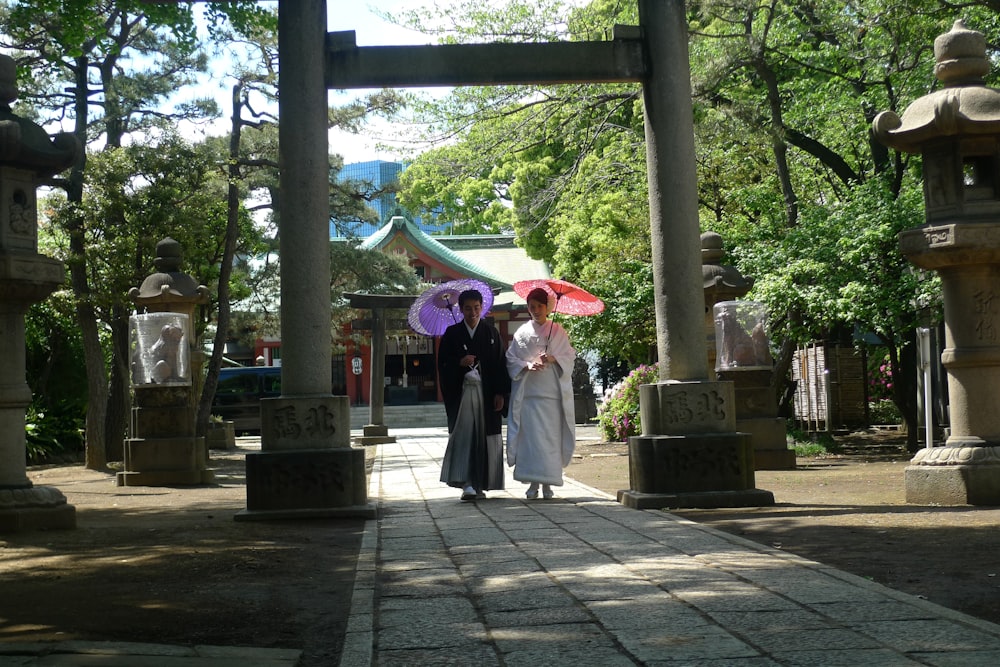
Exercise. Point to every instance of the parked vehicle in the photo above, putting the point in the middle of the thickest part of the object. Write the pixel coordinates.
(237, 398)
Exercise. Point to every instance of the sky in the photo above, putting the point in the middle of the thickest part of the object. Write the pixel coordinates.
(370, 30)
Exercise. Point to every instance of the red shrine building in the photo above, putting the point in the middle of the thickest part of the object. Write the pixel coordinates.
(410, 368)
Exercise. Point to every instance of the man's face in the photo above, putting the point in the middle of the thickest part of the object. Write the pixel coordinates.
(472, 310)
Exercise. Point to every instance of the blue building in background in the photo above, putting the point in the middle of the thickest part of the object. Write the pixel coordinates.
(370, 177)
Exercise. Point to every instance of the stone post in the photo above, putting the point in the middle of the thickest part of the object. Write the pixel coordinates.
(957, 131)
(163, 448)
(689, 453)
(306, 467)
(376, 431)
(27, 155)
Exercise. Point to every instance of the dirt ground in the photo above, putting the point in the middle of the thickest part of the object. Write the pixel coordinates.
(172, 566)
(849, 511)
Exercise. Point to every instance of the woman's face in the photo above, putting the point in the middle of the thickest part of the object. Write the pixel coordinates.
(539, 311)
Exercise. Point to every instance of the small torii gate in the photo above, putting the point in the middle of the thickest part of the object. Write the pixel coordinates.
(682, 415)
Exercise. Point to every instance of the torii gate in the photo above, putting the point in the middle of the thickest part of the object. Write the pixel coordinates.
(682, 415)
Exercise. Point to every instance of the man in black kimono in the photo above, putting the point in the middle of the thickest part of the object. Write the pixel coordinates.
(475, 386)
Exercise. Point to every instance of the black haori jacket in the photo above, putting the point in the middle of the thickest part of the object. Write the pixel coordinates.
(489, 351)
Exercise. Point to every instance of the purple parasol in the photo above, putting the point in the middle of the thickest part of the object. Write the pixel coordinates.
(436, 308)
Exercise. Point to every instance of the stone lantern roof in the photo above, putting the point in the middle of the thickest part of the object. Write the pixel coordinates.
(23, 144)
(169, 284)
(964, 106)
(720, 279)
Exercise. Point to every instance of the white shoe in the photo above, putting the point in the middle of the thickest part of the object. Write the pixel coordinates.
(532, 492)
(547, 492)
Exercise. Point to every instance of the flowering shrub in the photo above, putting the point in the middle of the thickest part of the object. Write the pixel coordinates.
(879, 378)
(618, 415)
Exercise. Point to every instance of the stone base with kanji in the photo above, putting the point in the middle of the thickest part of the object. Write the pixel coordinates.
(690, 453)
(306, 467)
(329, 483)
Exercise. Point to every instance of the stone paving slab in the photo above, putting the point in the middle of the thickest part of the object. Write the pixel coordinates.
(131, 654)
(582, 580)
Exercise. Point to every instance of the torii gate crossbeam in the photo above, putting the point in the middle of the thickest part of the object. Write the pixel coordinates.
(348, 66)
(654, 54)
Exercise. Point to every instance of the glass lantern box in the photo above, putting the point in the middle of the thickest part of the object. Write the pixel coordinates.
(741, 341)
(160, 352)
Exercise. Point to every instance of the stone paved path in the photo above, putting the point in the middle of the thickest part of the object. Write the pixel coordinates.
(581, 580)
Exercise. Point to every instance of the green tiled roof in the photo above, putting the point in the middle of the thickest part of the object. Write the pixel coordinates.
(440, 252)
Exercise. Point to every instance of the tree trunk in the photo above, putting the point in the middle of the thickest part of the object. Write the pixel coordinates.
(225, 268)
(904, 387)
(93, 355)
(908, 391)
(119, 401)
(781, 384)
(779, 145)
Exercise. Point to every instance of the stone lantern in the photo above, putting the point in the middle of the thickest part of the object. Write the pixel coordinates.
(166, 368)
(722, 283)
(27, 156)
(956, 130)
(756, 404)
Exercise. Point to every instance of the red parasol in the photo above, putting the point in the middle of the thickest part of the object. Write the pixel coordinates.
(570, 299)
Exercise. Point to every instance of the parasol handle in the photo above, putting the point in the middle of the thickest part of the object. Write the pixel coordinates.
(451, 307)
(554, 308)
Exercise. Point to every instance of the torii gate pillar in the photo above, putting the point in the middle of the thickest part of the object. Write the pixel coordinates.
(689, 453)
(306, 467)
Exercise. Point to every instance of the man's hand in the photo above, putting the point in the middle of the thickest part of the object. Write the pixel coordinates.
(497, 403)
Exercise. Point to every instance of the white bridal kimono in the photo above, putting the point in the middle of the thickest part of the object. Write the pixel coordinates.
(541, 431)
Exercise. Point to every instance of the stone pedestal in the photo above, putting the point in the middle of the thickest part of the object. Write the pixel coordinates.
(221, 436)
(163, 449)
(966, 471)
(306, 467)
(756, 407)
(34, 508)
(954, 475)
(690, 454)
(375, 434)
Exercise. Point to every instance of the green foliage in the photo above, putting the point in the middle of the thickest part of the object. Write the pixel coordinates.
(452, 182)
(139, 195)
(53, 435)
(618, 415)
(879, 377)
(81, 22)
(626, 329)
(54, 354)
(811, 444)
(884, 412)
(841, 263)
(56, 374)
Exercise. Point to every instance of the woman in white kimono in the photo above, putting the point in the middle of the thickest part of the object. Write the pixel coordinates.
(541, 432)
